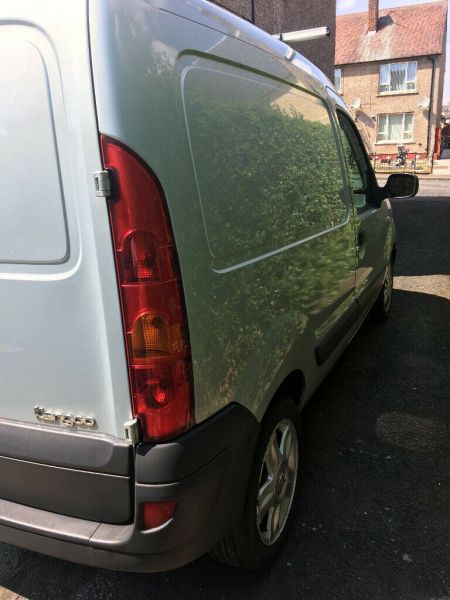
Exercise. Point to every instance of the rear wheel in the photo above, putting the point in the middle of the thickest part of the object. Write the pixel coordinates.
(272, 493)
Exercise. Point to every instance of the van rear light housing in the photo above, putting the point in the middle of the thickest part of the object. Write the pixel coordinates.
(153, 308)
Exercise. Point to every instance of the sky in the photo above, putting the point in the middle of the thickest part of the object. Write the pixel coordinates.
(350, 6)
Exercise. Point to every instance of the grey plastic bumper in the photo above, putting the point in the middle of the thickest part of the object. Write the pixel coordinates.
(205, 472)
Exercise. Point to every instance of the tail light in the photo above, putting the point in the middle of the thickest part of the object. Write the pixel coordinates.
(158, 513)
(154, 315)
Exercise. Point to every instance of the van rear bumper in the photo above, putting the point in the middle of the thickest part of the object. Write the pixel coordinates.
(205, 471)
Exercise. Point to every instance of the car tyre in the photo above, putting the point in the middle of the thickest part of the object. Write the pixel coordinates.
(382, 305)
(271, 501)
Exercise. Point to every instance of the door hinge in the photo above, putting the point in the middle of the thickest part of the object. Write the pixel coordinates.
(102, 181)
(132, 431)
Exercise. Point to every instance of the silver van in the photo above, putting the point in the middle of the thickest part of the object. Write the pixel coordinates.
(190, 235)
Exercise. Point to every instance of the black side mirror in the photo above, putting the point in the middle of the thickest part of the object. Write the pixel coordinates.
(401, 185)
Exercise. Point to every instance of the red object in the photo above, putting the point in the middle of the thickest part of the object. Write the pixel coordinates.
(158, 513)
(153, 310)
(373, 15)
(437, 143)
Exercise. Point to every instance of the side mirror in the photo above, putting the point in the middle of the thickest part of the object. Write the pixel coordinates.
(401, 185)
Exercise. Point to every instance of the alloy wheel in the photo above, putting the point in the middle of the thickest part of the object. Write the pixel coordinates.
(278, 477)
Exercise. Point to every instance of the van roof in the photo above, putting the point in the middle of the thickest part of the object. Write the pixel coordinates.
(229, 23)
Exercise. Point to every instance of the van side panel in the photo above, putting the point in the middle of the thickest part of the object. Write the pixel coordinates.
(255, 315)
(265, 158)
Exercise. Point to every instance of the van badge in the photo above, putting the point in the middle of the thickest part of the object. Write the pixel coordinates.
(48, 416)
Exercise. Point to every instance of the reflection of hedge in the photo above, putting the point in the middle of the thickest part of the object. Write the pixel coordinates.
(264, 171)
(280, 173)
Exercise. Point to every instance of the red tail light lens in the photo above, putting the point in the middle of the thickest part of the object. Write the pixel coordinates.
(154, 314)
(158, 513)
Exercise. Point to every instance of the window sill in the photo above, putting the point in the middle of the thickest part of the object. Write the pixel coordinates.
(402, 93)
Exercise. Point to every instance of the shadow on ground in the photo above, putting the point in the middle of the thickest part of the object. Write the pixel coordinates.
(423, 226)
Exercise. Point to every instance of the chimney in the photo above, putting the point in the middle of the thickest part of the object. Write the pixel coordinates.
(373, 15)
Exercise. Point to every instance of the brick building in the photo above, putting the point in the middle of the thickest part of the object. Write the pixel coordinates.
(276, 16)
(390, 67)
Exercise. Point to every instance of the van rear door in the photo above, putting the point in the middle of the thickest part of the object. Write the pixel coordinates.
(61, 341)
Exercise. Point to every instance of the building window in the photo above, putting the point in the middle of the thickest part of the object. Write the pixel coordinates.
(338, 80)
(395, 128)
(398, 77)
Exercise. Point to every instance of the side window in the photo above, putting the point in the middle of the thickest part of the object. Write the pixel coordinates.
(355, 160)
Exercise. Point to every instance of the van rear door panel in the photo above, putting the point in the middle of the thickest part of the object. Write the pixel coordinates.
(61, 339)
(32, 210)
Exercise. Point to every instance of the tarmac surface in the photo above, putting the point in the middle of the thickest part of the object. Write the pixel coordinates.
(374, 518)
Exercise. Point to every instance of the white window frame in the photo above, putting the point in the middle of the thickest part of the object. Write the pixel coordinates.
(404, 139)
(405, 89)
(338, 88)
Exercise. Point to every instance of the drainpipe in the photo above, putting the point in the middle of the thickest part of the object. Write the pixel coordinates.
(430, 110)
(253, 12)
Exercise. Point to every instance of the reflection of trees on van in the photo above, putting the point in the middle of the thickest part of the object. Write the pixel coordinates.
(268, 177)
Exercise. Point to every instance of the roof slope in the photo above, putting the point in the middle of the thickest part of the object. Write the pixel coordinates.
(403, 32)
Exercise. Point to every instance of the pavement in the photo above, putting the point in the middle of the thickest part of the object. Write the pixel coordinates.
(374, 518)
(441, 169)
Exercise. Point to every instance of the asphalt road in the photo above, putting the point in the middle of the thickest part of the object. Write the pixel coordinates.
(435, 188)
(375, 506)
